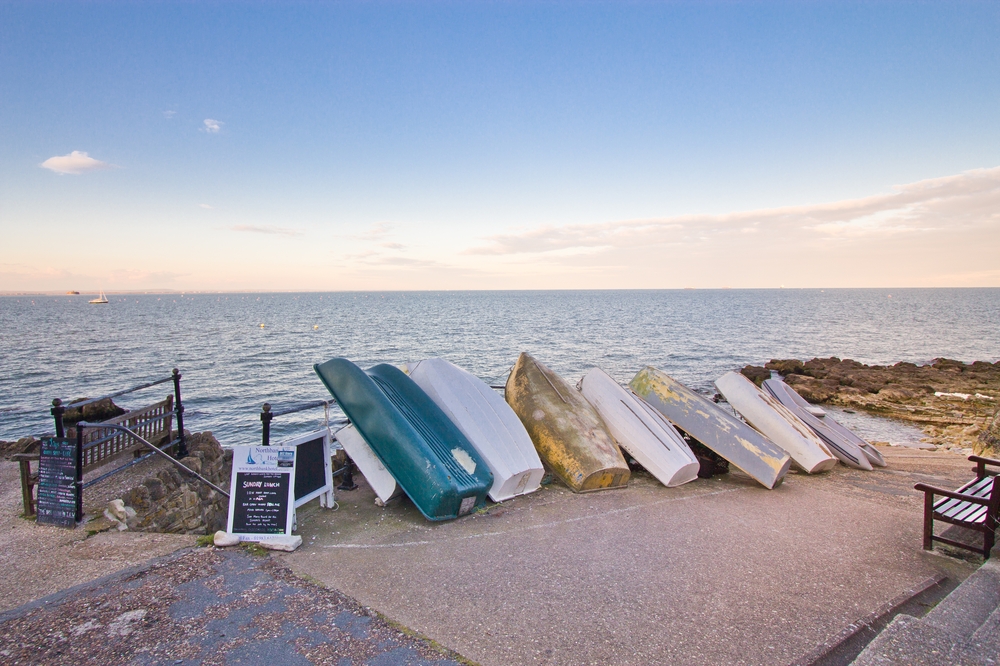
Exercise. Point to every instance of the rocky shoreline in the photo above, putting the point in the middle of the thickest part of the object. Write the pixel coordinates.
(955, 404)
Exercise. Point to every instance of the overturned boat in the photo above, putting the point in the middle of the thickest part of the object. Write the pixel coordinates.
(430, 458)
(781, 426)
(487, 421)
(566, 430)
(723, 433)
(375, 473)
(851, 449)
(639, 429)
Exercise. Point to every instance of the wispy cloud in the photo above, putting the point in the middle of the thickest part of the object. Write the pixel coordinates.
(392, 246)
(212, 126)
(376, 232)
(75, 163)
(169, 114)
(971, 198)
(257, 229)
(206, 206)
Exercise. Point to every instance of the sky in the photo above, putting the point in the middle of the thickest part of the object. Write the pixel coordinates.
(498, 145)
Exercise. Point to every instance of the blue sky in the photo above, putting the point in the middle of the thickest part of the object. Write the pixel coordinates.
(499, 145)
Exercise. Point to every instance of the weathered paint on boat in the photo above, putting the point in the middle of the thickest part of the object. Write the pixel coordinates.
(641, 430)
(723, 433)
(851, 449)
(375, 473)
(430, 458)
(569, 435)
(776, 422)
(487, 420)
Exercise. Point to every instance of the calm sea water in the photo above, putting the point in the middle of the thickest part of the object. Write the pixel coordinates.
(64, 347)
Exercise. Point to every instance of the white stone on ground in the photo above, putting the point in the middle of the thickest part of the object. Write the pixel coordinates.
(286, 543)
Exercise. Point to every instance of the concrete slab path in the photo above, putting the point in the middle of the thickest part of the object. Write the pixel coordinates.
(716, 571)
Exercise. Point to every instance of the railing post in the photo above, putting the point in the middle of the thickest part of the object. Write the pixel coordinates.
(265, 422)
(79, 473)
(57, 413)
(182, 449)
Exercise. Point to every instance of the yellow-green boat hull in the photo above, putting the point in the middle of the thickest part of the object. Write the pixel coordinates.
(569, 435)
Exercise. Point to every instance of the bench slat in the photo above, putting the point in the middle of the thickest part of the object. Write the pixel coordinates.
(967, 513)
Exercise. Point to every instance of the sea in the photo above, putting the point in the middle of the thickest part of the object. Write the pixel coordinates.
(236, 351)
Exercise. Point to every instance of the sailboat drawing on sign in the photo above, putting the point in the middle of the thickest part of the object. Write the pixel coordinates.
(250, 460)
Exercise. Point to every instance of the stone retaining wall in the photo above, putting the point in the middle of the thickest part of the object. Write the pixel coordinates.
(171, 500)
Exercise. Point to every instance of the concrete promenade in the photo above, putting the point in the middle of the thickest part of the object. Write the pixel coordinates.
(717, 571)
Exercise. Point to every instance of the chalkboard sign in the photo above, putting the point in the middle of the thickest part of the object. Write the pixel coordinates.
(261, 502)
(313, 472)
(58, 490)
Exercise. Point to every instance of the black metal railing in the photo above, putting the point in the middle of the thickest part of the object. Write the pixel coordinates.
(268, 413)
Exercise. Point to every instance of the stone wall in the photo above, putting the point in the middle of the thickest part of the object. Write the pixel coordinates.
(171, 500)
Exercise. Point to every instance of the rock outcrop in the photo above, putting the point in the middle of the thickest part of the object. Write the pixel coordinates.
(952, 401)
(95, 412)
(171, 500)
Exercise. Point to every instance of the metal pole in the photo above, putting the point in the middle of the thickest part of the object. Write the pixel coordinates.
(182, 449)
(57, 413)
(265, 423)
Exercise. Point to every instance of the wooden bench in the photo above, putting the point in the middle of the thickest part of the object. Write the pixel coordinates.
(102, 446)
(974, 506)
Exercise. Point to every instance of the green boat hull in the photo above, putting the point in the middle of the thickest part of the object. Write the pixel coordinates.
(432, 461)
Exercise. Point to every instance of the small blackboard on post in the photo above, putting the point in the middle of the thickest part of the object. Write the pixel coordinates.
(262, 501)
(59, 498)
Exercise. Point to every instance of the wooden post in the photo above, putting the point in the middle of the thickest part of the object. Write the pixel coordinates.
(27, 497)
(79, 474)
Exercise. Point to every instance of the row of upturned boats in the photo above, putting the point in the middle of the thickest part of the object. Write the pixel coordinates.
(447, 440)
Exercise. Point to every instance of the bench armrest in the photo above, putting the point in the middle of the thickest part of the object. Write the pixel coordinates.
(985, 461)
(934, 490)
(25, 456)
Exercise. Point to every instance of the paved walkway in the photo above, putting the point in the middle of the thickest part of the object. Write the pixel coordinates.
(716, 571)
(207, 606)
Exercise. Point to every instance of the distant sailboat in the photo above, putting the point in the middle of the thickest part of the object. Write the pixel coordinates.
(100, 299)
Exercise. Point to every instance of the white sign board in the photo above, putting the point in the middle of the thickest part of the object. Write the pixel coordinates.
(262, 492)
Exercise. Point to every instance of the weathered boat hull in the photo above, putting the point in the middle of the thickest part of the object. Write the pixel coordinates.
(487, 421)
(567, 432)
(851, 449)
(430, 458)
(375, 473)
(723, 433)
(776, 422)
(641, 430)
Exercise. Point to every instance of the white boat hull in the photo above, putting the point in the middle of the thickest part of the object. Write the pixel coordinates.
(842, 442)
(641, 430)
(375, 473)
(489, 423)
(781, 426)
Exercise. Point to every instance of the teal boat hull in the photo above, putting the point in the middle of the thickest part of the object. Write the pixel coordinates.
(432, 461)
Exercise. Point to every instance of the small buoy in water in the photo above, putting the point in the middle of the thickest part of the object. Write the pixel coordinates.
(315, 326)
(262, 325)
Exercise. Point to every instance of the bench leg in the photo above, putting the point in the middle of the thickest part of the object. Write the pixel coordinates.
(928, 520)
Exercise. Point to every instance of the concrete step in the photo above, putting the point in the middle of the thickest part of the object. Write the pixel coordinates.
(964, 611)
(989, 632)
(915, 642)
